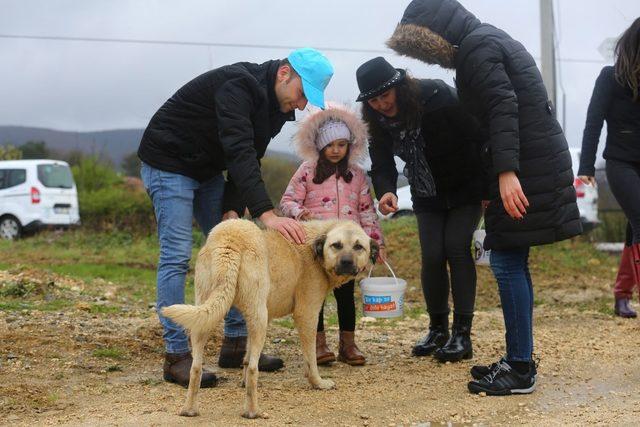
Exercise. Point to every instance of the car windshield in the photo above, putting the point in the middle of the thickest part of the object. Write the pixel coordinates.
(55, 176)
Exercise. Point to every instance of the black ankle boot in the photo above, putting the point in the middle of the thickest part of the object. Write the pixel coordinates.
(459, 346)
(436, 338)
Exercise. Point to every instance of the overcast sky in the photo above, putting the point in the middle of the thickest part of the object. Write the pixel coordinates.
(81, 86)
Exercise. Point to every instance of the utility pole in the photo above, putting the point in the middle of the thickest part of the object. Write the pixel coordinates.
(548, 49)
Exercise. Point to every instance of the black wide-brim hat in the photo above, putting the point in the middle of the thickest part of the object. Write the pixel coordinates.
(377, 76)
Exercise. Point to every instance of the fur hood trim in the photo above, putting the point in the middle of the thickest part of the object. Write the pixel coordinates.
(304, 140)
(423, 44)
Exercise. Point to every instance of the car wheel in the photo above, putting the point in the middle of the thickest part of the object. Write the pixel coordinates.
(402, 213)
(10, 228)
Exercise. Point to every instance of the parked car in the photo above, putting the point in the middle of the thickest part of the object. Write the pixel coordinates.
(587, 197)
(36, 194)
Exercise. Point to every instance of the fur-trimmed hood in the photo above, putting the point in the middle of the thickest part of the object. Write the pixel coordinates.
(431, 31)
(304, 140)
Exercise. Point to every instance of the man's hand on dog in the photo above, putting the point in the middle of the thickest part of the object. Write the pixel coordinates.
(288, 227)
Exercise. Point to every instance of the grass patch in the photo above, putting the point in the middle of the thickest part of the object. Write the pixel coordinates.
(285, 322)
(125, 260)
(54, 305)
(127, 263)
(103, 309)
(109, 353)
(151, 382)
(414, 311)
(15, 305)
(17, 289)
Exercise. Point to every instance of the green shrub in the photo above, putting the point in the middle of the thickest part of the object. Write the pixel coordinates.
(276, 173)
(116, 208)
(91, 174)
(9, 152)
(107, 203)
(612, 227)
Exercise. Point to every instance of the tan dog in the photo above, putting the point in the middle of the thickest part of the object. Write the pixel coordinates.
(266, 277)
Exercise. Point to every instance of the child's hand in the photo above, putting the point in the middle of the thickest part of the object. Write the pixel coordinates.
(307, 216)
(382, 255)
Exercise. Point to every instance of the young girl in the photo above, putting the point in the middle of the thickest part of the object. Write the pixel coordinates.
(331, 185)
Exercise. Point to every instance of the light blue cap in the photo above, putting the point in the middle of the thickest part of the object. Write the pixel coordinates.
(314, 70)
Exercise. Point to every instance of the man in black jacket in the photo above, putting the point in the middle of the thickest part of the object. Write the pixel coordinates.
(221, 120)
(526, 158)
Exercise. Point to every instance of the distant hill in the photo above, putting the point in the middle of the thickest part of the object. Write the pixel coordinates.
(115, 144)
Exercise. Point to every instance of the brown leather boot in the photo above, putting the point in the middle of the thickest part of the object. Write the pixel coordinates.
(625, 280)
(324, 356)
(349, 352)
(232, 354)
(177, 367)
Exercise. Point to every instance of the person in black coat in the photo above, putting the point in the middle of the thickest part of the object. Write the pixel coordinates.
(222, 120)
(421, 122)
(526, 158)
(616, 99)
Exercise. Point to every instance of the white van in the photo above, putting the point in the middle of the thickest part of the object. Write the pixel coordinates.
(35, 194)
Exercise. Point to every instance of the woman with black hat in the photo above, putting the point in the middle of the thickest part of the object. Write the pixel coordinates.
(421, 122)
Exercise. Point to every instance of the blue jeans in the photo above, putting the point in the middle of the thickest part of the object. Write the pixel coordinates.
(511, 269)
(177, 199)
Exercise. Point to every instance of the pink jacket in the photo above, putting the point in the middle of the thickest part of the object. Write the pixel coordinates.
(334, 198)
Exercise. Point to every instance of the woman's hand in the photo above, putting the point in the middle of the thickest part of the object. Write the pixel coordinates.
(589, 180)
(513, 198)
(388, 203)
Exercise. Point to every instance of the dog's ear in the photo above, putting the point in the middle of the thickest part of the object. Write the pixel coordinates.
(375, 250)
(318, 246)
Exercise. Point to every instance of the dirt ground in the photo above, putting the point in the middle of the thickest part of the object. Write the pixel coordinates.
(61, 368)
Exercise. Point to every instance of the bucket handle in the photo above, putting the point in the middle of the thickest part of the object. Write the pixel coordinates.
(390, 269)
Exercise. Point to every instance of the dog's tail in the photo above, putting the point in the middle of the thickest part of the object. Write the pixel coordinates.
(218, 271)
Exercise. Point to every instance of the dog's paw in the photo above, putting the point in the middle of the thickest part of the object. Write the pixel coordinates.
(325, 385)
(186, 412)
(251, 414)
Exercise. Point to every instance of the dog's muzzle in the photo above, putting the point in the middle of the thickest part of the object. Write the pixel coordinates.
(346, 267)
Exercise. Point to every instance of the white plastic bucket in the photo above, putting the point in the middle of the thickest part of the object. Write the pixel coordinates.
(480, 255)
(383, 297)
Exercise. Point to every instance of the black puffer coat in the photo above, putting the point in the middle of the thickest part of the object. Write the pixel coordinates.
(452, 140)
(499, 83)
(614, 103)
(221, 120)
